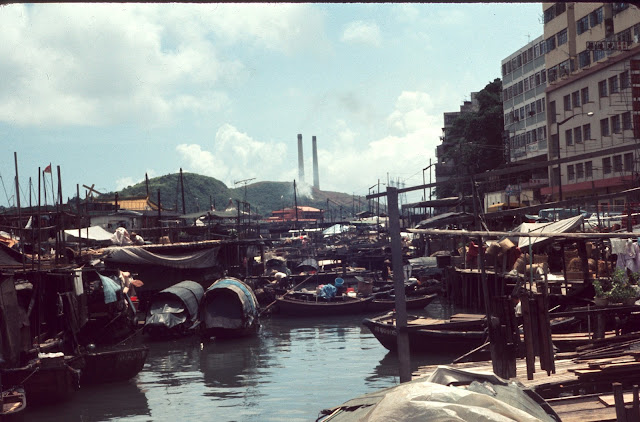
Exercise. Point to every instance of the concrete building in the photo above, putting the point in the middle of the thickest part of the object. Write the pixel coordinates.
(448, 168)
(524, 80)
(592, 57)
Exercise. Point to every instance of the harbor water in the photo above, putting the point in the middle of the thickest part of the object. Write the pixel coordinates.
(290, 371)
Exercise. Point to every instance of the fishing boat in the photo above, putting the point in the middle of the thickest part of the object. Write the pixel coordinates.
(228, 309)
(13, 401)
(108, 364)
(48, 379)
(311, 304)
(387, 302)
(460, 333)
(173, 312)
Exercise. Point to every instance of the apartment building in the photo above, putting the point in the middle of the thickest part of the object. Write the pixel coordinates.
(447, 168)
(592, 59)
(524, 81)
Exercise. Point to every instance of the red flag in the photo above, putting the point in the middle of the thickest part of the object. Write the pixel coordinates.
(47, 169)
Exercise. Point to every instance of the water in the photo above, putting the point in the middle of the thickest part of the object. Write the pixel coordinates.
(289, 372)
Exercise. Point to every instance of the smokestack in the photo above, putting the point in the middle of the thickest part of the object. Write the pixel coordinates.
(300, 159)
(316, 177)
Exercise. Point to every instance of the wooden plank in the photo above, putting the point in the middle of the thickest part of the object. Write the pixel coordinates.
(609, 399)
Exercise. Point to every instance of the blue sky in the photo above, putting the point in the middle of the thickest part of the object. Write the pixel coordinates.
(109, 92)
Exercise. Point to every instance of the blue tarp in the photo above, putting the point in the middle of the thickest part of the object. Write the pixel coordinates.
(328, 291)
(110, 289)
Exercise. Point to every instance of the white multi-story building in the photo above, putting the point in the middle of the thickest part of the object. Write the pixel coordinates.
(524, 80)
(593, 98)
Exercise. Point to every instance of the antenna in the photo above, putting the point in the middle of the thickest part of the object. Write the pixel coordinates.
(245, 181)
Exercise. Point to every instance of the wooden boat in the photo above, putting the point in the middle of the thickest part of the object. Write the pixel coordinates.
(45, 380)
(229, 308)
(173, 312)
(460, 333)
(13, 401)
(312, 305)
(387, 302)
(111, 364)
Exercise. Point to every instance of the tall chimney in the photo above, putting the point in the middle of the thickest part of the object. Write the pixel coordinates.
(300, 159)
(316, 177)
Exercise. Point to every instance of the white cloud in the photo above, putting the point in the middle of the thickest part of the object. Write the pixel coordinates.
(235, 156)
(124, 182)
(105, 64)
(359, 32)
(416, 127)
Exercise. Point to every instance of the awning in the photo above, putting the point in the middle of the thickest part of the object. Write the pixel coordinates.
(562, 226)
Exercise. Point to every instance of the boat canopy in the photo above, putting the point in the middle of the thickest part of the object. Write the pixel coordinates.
(243, 292)
(176, 304)
(205, 258)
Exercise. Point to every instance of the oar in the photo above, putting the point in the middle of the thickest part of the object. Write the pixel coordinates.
(470, 353)
(288, 291)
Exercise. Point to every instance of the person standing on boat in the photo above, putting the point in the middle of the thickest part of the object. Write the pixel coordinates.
(386, 270)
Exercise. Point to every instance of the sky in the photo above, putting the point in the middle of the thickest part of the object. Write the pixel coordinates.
(111, 92)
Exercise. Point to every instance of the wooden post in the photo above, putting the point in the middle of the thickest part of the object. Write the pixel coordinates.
(618, 395)
(528, 335)
(398, 284)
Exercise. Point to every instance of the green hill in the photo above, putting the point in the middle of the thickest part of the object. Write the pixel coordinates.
(200, 192)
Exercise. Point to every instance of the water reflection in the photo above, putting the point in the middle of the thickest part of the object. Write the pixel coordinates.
(289, 371)
(95, 403)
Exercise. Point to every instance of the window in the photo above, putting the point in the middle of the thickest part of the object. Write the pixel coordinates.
(539, 106)
(602, 88)
(561, 37)
(586, 132)
(552, 111)
(567, 103)
(619, 7)
(526, 84)
(537, 78)
(549, 14)
(543, 75)
(595, 17)
(604, 127)
(617, 163)
(588, 169)
(575, 98)
(624, 80)
(584, 59)
(628, 162)
(584, 93)
(615, 124)
(571, 172)
(606, 165)
(551, 44)
(580, 171)
(577, 135)
(626, 120)
(568, 137)
(598, 54)
(613, 84)
(582, 25)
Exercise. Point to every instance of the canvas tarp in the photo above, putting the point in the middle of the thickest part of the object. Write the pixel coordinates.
(481, 397)
(562, 226)
(173, 305)
(205, 258)
(95, 233)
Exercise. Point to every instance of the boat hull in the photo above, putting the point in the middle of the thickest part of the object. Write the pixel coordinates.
(300, 307)
(434, 338)
(113, 365)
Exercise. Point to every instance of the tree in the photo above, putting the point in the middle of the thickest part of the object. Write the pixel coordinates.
(474, 141)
